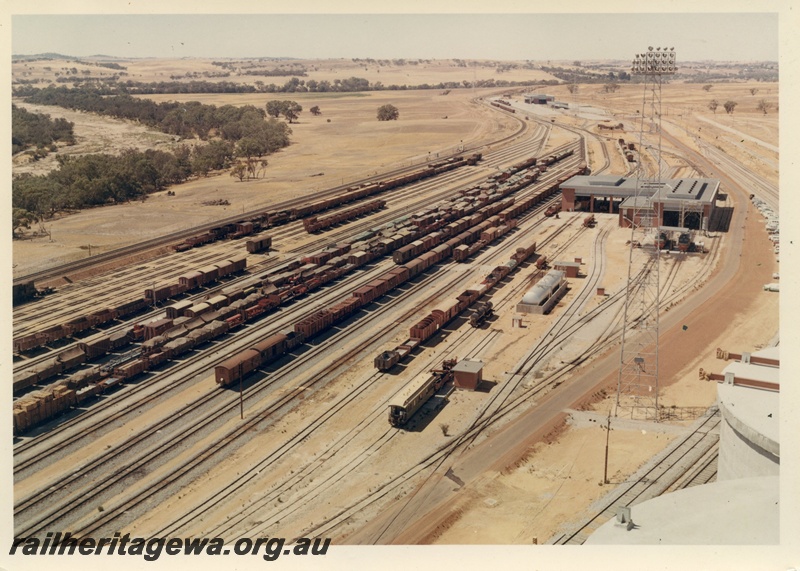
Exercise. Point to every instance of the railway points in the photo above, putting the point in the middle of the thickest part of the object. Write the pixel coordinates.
(314, 410)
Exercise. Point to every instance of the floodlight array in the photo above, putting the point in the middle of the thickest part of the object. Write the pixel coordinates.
(655, 62)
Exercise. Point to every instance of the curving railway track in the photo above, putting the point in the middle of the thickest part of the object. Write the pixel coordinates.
(163, 457)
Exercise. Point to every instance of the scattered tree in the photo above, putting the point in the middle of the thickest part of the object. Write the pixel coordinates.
(764, 106)
(707, 87)
(444, 428)
(610, 87)
(713, 104)
(239, 170)
(315, 110)
(753, 90)
(388, 113)
(21, 218)
(573, 88)
(289, 109)
(730, 106)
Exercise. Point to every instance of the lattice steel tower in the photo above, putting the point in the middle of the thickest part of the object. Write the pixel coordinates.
(637, 386)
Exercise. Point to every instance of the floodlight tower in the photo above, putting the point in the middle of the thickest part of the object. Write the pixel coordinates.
(637, 385)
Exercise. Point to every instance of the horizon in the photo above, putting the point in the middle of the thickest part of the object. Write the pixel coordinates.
(696, 37)
(581, 60)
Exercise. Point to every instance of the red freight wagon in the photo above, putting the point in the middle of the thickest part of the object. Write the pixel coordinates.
(237, 367)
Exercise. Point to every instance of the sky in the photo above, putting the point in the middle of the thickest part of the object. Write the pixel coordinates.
(519, 36)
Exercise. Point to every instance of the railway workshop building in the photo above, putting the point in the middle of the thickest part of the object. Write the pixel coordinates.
(538, 99)
(684, 202)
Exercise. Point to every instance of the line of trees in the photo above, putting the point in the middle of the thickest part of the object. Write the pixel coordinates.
(38, 130)
(93, 180)
(23, 88)
(190, 119)
(233, 134)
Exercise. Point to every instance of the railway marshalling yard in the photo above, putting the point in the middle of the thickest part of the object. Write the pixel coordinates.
(517, 461)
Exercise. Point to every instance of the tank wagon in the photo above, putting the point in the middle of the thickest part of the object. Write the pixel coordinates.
(439, 317)
(246, 301)
(482, 312)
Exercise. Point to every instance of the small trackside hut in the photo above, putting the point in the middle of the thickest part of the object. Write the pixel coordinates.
(468, 374)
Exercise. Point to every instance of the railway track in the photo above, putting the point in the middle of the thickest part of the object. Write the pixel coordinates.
(435, 466)
(163, 240)
(57, 310)
(655, 478)
(345, 283)
(271, 497)
(57, 515)
(454, 345)
(380, 441)
(376, 417)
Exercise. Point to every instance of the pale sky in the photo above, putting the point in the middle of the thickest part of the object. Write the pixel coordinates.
(534, 36)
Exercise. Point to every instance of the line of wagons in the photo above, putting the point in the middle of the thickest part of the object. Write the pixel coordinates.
(260, 303)
(440, 316)
(407, 402)
(187, 325)
(187, 282)
(242, 364)
(206, 275)
(273, 218)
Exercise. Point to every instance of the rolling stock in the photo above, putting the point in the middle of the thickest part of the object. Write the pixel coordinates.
(232, 308)
(409, 401)
(270, 219)
(684, 242)
(439, 317)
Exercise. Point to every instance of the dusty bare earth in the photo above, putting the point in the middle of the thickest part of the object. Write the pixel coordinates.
(550, 484)
(343, 144)
(541, 494)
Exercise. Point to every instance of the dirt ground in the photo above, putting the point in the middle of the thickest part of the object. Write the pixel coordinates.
(545, 492)
(343, 144)
(556, 479)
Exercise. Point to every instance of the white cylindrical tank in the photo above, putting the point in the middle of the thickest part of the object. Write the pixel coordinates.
(749, 444)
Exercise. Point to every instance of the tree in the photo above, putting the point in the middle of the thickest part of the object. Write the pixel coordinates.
(239, 170)
(388, 113)
(764, 106)
(21, 218)
(274, 108)
(707, 87)
(730, 106)
(315, 110)
(610, 87)
(753, 90)
(288, 109)
(572, 88)
(713, 104)
(291, 110)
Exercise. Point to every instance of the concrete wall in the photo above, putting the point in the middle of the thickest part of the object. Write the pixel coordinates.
(743, 453)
